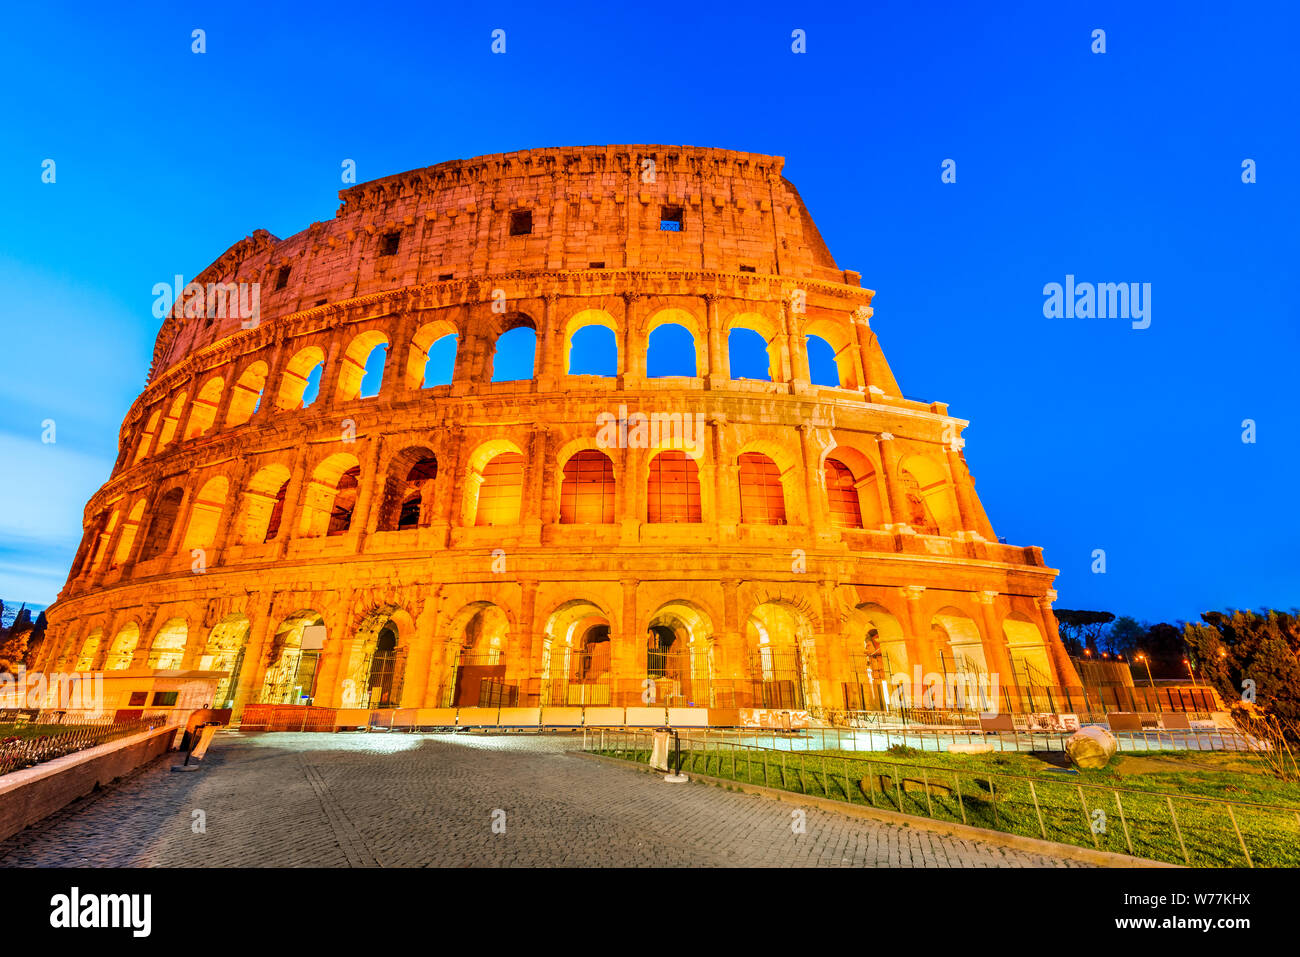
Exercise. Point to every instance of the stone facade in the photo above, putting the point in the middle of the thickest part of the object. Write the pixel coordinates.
(532, 541)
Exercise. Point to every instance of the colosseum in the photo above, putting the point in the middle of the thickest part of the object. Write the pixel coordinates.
(330, 493)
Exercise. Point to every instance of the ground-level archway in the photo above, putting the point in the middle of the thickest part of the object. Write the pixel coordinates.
(783, 658)
(294, 658)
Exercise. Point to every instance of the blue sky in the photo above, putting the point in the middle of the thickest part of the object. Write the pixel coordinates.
(1117, 167)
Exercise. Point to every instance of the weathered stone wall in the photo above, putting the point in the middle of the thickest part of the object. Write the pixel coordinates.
(924, 581)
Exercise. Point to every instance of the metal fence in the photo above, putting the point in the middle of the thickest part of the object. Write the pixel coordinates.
(942, 739)
(33, 746)
(1175, 828)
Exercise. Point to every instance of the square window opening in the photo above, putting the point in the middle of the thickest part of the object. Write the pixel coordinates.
(521, 222)
(671, 219)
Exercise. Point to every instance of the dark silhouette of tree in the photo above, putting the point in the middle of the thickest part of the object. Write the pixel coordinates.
(1081, 629)
(1247, 655)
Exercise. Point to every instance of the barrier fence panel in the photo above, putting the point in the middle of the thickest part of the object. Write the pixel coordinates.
(1176, 828)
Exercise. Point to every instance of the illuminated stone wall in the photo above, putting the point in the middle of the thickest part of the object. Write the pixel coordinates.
(429, 529)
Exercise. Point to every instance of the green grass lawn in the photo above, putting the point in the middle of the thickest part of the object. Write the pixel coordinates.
(1009, 792)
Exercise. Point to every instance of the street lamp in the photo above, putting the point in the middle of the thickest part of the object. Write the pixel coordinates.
(1143, 658)
(1191, 671)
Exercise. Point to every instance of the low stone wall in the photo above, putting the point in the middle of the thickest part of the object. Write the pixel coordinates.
(29, 795)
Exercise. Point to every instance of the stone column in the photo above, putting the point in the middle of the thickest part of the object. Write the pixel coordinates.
(549, 360)
(995, 649)
(628, 664)
(229, 512)
(415, 682)
(362, 518)
(291, 514)
(633, 353)
(726, 484)
(719, 372)
(1065, 673)
(800, 373)
(253, 668)
(519, 646)
(920, 649)
(859, 319)
(960, 479)
(814, 490)
(834, 664)
(733, 663)
(889, 472)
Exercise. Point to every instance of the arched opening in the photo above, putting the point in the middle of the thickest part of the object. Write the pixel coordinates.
(361, 368)
(247, 396)
(592, 346)
(96, 548)
(168, 648)
(679, 657)
(345, 501)
(408, 490)
(263, 511)
(224, 651)
(295, 657)
(499, 493)
(822, 367)
(146, 437)
(205, 516)
(383, 669)
(753, 350)
(842, 495)
(747, 355)
(967, 683)
(171, 422)
(762, 496)
(577, 657)
(587, 489)
(376, 669)
(331, 497)
(130, 529)
(89, 649)
(204, 412)
(1031, 667)
(929, 503)
(158, 539)
(831, 346)
(122, 650)
(877, 650)
(478, 671)
(300, 384)
(432, 358)
(514, 354)
(670, 352)
(673, 489)
(783, 660)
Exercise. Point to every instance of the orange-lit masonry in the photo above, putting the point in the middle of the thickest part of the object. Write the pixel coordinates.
(562, 539)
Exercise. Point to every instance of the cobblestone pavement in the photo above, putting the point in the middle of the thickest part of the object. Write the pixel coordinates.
(398, 800)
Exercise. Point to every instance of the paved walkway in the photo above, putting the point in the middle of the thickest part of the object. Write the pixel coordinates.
(399, 800)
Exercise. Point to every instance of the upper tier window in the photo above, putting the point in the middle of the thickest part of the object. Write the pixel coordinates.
(671, 218)
(521, 222)
(388, 245)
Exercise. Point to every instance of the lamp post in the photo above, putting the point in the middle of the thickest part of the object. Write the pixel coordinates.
(1143, 658)
(1190, 670)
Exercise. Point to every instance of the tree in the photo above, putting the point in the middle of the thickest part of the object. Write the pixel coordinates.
(1080, 629)
(1245, 655)
(1125, 637)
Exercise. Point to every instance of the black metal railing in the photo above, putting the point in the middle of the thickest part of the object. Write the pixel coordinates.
(24, 746)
